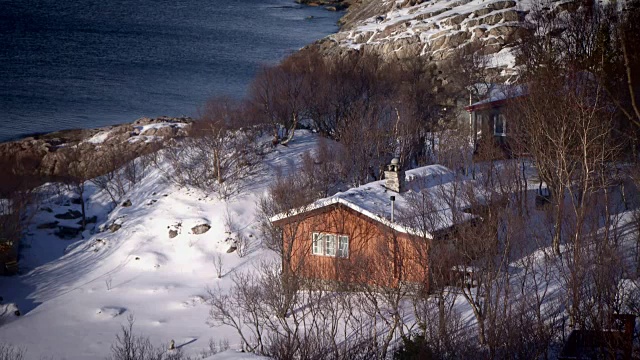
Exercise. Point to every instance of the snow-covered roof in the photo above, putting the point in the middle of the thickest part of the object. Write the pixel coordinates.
(498, 93)
(373, 199)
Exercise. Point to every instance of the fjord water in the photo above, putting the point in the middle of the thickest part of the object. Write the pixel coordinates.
(89, 63)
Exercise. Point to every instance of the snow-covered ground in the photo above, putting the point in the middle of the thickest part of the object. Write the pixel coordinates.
(75, 296)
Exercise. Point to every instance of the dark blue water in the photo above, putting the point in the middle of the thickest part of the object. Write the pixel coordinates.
(89, 63)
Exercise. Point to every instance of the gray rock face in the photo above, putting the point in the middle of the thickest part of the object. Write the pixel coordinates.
(173, 233)
(403, 29)
(498, 5)
(200, 229)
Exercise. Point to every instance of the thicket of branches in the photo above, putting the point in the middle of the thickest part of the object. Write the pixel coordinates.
(221, 153)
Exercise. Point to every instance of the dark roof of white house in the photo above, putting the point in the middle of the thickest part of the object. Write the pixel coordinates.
(497, 94)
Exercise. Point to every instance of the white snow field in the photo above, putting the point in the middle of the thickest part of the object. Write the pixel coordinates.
(74, 301)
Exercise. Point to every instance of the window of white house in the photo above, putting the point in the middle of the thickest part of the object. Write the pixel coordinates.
(500, 125)
(330, 245)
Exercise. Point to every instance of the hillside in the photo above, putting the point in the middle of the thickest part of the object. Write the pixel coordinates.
(152, 257)
(75, 294)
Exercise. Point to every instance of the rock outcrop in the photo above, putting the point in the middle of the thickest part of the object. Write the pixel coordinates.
(333, 5)
(200, 229)
(47, 155)
(437, 28)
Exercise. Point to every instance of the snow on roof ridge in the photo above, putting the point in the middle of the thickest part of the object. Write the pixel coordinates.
(411, 177)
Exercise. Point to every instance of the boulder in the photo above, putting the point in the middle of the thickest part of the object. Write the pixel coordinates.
(173, 233)
(200, 229)
(490, 49)
(231, 249)
(67, 232)
(482, 12)
(455, 19)
(498, 5)
(504, 31)
(567, 6)
(478, 32)
(510, 15)
(473, 22)
(49, 225)
(69, 215)
(457, 39)
(89, 220)
(114, 227)
(127, 203)
(491, 19)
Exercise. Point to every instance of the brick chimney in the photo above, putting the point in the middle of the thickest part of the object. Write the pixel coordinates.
(394, 177)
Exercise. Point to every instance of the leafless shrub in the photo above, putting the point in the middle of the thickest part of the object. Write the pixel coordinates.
(79, 171)
(215, 347)
(221, 154)
(242, 244)
(241, 309)
(218, 265)
(286, 194)
(236, 232)
(129, 346)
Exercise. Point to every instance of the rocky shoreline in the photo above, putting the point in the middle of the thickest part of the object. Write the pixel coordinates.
(331, 5)
(47, 152)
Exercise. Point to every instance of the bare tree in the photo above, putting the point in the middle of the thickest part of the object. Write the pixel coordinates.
(79, 170)
(129, 346)
(218, 265)
(221, 154)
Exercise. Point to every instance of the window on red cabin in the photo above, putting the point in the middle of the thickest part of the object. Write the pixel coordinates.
(324, 244)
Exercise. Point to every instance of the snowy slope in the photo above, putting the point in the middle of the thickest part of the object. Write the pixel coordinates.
(75, 296)
(73, 304)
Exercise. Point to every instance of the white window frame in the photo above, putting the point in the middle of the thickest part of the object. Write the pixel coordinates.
(332, 245)
(343, 246)
(317, 244)
(496, 118)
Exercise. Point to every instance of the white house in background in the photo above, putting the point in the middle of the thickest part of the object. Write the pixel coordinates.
(487, 116)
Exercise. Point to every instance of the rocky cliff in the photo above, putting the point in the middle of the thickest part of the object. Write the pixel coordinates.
(399, 29)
